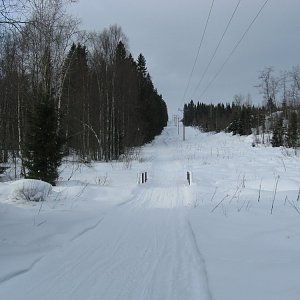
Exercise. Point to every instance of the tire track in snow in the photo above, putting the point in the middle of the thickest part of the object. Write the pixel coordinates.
(178, 271)
(200, 258)
(141, 276)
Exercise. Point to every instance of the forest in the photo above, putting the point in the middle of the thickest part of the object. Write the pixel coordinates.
(275, 121)
(64, 91)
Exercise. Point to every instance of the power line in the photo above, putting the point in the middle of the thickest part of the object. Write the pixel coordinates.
(234, 48)
(199, 48)
(217, 48)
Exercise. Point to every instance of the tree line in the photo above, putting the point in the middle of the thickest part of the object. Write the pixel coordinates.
(108, 101)
(276, 121)
(102, 101)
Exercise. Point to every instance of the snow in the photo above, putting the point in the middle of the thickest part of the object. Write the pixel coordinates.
(30, 190)
(100, 235)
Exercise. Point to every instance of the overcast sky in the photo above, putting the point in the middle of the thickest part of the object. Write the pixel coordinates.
(168, 33)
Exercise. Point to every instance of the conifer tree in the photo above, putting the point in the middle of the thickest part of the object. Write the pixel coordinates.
(278, 133)
(42, 151)
(141, 65)
(292, 132)
(74, 99)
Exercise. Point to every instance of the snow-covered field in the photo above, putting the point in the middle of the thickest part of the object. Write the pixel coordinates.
(100, 235)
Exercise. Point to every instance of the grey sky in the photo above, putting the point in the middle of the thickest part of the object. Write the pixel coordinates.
(168, 33)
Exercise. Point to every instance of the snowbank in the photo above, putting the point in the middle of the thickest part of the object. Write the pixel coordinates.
(30, 190)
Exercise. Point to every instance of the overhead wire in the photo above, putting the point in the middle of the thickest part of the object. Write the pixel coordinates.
(217, 48)
(198, 51)
(234, 48)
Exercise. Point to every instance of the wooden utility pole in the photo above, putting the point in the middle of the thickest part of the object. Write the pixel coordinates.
(183, 127)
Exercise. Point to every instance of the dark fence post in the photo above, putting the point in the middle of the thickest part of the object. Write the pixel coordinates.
(142, 177)
(188, 177)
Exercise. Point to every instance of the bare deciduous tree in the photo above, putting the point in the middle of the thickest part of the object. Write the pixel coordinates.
(269, 84)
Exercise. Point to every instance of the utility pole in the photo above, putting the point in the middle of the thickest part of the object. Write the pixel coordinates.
(183, 127)
(175, 120)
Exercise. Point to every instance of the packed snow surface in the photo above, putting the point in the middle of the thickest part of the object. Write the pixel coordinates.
(234, 233)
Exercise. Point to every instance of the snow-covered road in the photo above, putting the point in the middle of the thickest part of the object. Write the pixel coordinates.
(143, 249)
(161, 240)
(131, 254)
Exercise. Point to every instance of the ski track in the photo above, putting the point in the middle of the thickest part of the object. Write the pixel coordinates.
(84, 231)
(144, 249)
(201, 259)
(20, 272)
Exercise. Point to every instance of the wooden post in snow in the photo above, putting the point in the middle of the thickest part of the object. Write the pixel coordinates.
(142, 177)
(189, 177)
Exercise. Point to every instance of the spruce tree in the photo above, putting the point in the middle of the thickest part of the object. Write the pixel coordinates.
(278, 133)
(74, 102)
(42, 151)
(141, 66)
(292, 133)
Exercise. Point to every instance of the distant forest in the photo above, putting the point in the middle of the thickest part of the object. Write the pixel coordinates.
(278, 116)
(104, 100)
